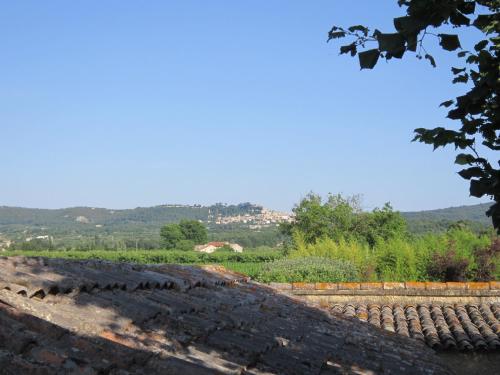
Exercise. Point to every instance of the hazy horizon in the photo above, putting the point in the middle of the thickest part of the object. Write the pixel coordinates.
(210, 204)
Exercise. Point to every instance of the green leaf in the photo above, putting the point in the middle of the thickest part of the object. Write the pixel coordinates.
(463, 143)
(447, 103)
(408, 25)
(472, 59)
(462, 53)
(457, 70)
(349, 48)
(456, 114)
(431, 59)
(470, 126)
(391, 43)
(398, 54)
(464, 78)
(425, 135)
(336, 35)
(467, 7)
(477, 188)
(463, 159)
(494, 213)
(458, 19)
(484, 22)
(411, 42)
(368, 59)
(449, 42)
(471, 172)
(361, 28)
(483, 43)
(491, 145)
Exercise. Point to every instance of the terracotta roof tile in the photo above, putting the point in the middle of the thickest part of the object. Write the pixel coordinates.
(90, 317)
(466, 327)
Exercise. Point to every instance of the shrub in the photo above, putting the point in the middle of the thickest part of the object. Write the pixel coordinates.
(448, 266)
(355, 252)
(446, 256)
(185, 245)
(308, 269)
(487, 259)
(396, 260)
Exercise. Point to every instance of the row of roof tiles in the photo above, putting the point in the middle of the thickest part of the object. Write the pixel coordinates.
(41, 276)
(98, 317)
(465, 327)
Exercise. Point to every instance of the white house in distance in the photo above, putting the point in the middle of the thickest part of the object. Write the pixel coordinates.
(212, 246)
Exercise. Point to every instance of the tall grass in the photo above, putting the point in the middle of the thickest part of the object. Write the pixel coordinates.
(355, 252)
(397, 259)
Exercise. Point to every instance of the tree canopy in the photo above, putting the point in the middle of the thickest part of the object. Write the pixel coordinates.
(183, 235)
(193, 230)
(342, 218)
(170, 235)
(477, 109)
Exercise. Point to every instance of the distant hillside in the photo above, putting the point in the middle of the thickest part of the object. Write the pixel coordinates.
(88, 220)
(247, 223)
(438, 220)
(104, 216)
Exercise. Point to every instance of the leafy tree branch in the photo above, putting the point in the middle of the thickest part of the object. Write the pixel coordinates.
(477, 109)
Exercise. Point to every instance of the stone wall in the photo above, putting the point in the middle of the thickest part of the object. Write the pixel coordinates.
(395, 292)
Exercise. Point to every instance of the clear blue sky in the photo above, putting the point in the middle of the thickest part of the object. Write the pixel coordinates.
(125, 103)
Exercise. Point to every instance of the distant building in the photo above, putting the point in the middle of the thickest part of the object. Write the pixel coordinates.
(207, 248)
(212, 246)
(236, 248)
(5, 244)
(43, 237)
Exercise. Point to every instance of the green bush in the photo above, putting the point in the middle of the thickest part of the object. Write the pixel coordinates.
(308, 269)
(355, 252)
(403, 258)
(488, 262)
(396, 260)
(185, 245)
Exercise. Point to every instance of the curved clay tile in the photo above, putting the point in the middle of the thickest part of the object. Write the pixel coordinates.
(387, 318)
(461, 337)
(362, 312)
(414, 325)
(495, 308)
(428, 327)
(349, 310)
(470, 328)
(490, 318)
(400, 320)
(337, 308)
(445, 335)
(374, 315)
(486, 332)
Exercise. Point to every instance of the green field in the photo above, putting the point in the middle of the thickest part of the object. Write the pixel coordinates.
(249, 263)
(457, 255)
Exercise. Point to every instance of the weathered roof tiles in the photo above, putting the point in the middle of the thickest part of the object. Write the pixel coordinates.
(89, 317)
(465, 327)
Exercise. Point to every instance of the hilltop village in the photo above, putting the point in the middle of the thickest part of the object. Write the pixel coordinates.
(260, 219)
